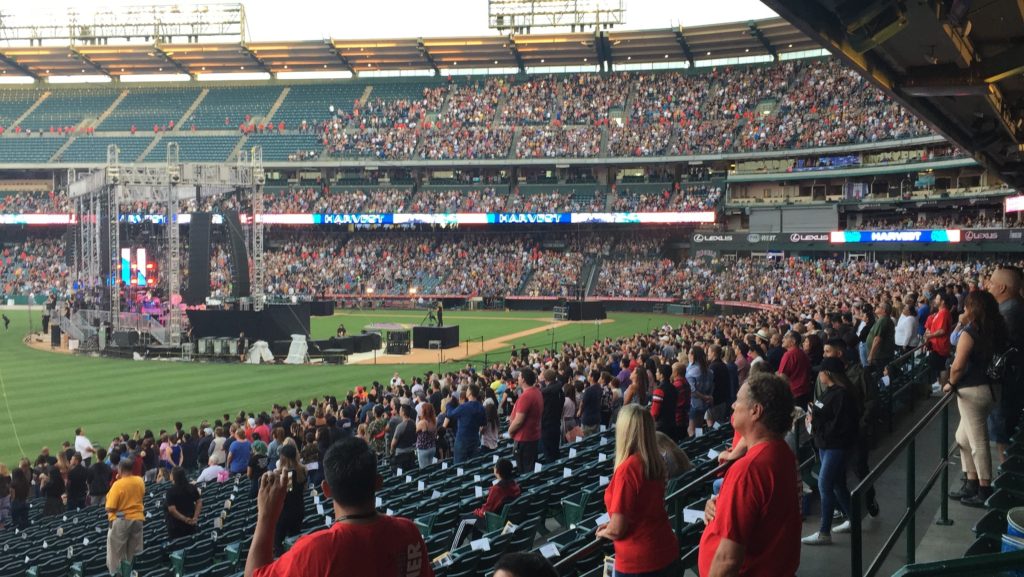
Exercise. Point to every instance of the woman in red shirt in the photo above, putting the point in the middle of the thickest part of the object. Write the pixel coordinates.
(501, 492)
(635, 498)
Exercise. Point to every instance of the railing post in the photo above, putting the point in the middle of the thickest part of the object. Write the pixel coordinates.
(911, 484)
(944, 482)
(856, 538)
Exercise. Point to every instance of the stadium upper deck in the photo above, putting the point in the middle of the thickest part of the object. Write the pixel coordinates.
(735, 91)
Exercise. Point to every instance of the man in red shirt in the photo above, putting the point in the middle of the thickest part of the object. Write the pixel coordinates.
(936, 332)
(361, 542)
(524, 422)
(753, 525)
(796, 366)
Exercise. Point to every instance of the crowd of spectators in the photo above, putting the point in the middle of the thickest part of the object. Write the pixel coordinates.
(472, 142)
(313, 200)
(961, 219)
(34, 202)
(557, 141)
(34, 266)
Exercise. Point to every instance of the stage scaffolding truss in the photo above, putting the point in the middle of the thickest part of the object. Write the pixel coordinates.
(97, 196)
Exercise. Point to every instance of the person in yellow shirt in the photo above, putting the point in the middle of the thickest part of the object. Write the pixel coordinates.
(125, 513)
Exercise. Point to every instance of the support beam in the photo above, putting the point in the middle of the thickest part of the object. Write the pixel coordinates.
(341, 57)
(603, 50)
(426, 56)
(757, 33)
(177, 66)
(261, 64)
(684, 46)
(515, 54)
(14, 64)
(85, 59)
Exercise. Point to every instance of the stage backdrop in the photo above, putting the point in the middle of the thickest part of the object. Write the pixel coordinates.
(273, 323)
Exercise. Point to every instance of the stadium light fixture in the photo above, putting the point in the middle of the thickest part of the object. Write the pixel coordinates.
(709, 53)
(369, 290)
(412, 290)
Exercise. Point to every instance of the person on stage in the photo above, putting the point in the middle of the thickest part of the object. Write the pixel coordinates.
(243, 346)
(341, 330)
(440, 314)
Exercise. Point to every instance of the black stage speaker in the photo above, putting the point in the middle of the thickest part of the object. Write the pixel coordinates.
(70, 247)
(198, 259)
(239, 255)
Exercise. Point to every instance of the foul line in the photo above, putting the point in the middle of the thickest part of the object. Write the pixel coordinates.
(3, 389)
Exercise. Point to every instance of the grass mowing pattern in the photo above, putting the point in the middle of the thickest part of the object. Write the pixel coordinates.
(49, 394)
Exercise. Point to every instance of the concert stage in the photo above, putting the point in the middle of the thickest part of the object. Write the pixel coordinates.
(273, 323)
(448, 335)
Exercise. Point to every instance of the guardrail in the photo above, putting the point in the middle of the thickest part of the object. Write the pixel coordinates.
(914, 499)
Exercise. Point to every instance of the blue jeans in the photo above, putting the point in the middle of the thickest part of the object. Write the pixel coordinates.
(832, 486)
(465, 449)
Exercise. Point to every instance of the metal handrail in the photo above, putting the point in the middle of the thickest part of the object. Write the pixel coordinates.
(914, 499)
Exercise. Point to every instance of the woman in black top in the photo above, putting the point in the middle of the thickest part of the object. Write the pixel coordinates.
(183, 505)
(20, 487)
(984, 335)
(52, 487)
(289, 523)
(834, 420)
(257, 466)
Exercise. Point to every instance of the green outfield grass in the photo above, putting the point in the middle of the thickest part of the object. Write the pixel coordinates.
(47, 395)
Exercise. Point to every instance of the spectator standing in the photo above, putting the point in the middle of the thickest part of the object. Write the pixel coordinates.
(100, 475)
(403, 442)
(78, 484)
(289, 520)
(126, 514)
(525, 421)
(21, 486)
(218, 446)
(796, 367)
(360, 542)
(239, 454)
(663, 403)
(881, 341)
(426, 436)
(1005, 285)
(589, 411)
(257, 466)
(83, 446)
(469, 418)
(753, 525)
(551, 417)
(52, 487)
(937, 329)
(698, 375)
(183, 506)
(984, 335)
(906, 329)
(638, 524)
(834, 421)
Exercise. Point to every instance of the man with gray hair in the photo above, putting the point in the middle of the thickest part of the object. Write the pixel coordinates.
(754, 523)
(1005, 285)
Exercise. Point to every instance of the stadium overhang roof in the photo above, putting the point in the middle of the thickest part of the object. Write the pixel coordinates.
(610, 47)
(958, 64)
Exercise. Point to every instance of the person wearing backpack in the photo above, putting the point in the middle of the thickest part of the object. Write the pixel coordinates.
(1005, 285)
(984, 336)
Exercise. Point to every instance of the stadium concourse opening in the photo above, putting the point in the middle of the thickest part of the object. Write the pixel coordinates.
(556, 290)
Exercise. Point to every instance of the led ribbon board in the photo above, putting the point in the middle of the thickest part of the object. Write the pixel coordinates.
(894, 236)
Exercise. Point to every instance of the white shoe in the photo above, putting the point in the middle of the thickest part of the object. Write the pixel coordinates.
(843, 527)
(817, 539)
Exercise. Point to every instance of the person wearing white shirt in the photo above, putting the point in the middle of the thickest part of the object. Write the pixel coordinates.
(83, 446)
(210, 473)
(906, 328)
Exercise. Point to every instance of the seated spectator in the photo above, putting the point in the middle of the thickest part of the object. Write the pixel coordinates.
(501, 492)
(213, 472)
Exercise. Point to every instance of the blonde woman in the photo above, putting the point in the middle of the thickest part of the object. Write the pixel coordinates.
(635, 499)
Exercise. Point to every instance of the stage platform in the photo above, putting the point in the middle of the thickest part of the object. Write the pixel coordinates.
(448, 335)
